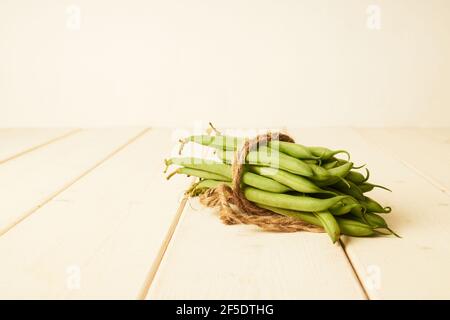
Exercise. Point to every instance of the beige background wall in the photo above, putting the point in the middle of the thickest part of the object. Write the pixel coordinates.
(235, 62)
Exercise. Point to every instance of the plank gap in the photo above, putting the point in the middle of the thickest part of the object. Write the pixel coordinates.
(70, 183)
(157, 262)
(39, 146)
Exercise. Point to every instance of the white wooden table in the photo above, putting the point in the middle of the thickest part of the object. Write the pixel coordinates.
(88, 214)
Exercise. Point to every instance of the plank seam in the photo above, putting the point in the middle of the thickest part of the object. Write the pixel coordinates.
(39, 146)
(162, 251)
(70, 183)
(355, 273)
(417, 171)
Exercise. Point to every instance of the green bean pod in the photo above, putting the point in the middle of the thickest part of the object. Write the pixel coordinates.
(376, 221)
(207, 184)
(349, 188)
(198, 173)
(325, 153)
(224, 170)
(293, 149)
(201, 164)
(320, 173)
(336, 174)
(366, 187)
(357, 177)
(330, 224)
(330, 165)
(271, 158)
(339, 210)
(355, 228)
(285, 201)
(291, 180)
(373, 206)
(217, 142)
(347, 226)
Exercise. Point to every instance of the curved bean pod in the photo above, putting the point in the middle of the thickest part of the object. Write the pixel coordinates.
(198, 173)
(366, 187)
(217, 142)
(330, 224)
(349, 188)
(325, 153)
(293, 149)
(373, 206)
(271, 158)
(347, 226)
(224, 170)
(330, 164)
(201, 164)
(337, 174)
(355, 228)
(357, 177)
(291, 180)
(339, 210)
(285, 201)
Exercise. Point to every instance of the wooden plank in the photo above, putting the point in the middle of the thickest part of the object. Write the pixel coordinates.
(429, 157)
(35, 178)
(416, 266)
(441, 134)
(209, 260)
(17, 142)
(102, 236)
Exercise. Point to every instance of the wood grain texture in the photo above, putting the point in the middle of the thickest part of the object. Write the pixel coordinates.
(209, 260)
(17, 142)
(35, 178)
(103, 233)
(417, 265)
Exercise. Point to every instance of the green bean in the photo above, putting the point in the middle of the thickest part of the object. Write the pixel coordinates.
(347, 226)
(366, 187)
(329, 224)
(218, 142)
(201, 164)
(341, 171)
(199, 187)
(225, 156)
(198, 173)
(329, 165)
(348, 205)
(342, 162)
(263, 183)
(293, 149)
(376, 221)
(271, 158)
(357, 177)
(301, 215)
(349, 188)
(320, 173)
(336, 174)
(311, 161)
(354, 228)
(339, 210)
(285, 201)
(291, 180)
(322, 219)
(373, 206)
(325, 153)
(207, 184)
(224, 170)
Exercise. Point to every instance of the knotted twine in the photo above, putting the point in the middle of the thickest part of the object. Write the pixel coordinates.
(236, 209)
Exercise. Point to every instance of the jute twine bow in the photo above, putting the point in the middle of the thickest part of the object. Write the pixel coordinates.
(236, 209)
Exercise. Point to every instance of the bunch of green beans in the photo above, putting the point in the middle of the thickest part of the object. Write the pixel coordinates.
(307, 183)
